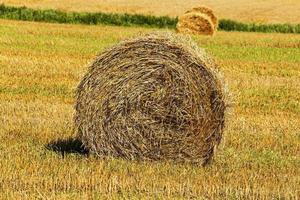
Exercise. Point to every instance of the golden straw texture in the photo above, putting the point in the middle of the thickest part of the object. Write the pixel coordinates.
(155, 97)
(207, 11)
(195, 23)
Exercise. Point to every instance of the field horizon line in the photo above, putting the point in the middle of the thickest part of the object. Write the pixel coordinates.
(24, 13)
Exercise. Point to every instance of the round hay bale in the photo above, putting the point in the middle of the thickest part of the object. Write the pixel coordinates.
(155, 97)
(195, 23)
(207, 11)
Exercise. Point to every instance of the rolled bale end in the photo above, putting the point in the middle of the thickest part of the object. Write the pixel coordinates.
(155, 97)
(195, 23)
(207, 11)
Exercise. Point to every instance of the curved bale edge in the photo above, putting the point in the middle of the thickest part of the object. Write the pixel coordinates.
(155, 97)
(195, 23)
(207, 11)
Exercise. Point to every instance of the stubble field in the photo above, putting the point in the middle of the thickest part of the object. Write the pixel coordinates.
(259, 11)
(40, 67)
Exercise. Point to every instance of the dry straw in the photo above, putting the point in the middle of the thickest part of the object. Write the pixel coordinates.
(199, 20)
(195, 23)
(207, 11)
(155, 97)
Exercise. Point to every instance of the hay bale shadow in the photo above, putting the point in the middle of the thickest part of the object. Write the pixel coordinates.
(67, 146)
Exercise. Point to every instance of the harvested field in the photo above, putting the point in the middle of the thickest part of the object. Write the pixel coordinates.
(40, 67)
(267, 11)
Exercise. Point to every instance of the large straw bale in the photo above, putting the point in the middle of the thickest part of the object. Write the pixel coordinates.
(155, 97)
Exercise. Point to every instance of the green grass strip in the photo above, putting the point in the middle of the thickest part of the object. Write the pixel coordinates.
(230, 25)
(56, 16)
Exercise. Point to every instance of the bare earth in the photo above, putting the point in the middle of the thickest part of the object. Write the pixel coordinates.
(262, 11)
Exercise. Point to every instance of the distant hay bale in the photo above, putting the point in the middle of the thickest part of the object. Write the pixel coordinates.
(155, 97)
(199, 20)
(195, 23)
(207, 11)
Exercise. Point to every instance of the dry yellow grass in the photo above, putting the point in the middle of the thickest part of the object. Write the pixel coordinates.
(40, 66)
(266, 11)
